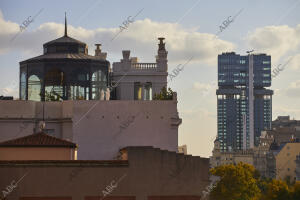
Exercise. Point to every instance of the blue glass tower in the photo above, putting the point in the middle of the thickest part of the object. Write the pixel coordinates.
(240, 122)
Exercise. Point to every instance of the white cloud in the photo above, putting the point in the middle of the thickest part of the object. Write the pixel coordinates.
(204, 88)
(294, 89)
(10, 90)
(141, 36)
(285, 110)
(277, 41)
(295, 62)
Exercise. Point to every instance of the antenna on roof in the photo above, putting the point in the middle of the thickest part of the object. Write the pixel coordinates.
(66, 30)
(248, 52)
(42, 124)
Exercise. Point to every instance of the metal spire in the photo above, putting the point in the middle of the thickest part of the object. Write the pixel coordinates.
(66, 30)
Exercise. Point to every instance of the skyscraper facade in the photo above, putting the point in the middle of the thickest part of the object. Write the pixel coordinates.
(244, 102)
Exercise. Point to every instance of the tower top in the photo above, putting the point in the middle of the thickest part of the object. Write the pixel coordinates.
(66, 30)
(161, 45)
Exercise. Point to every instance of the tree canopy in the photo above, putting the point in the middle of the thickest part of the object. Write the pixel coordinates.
(243, 182)
(164, 94)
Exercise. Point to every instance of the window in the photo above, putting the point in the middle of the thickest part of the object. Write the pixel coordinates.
(23, 86)
(148, 91)
(81, 50)
(98, 85)
(54, 85)
(34, 88)
(137, 91)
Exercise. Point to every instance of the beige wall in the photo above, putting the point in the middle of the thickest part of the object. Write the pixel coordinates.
(285, 161)
(36, 153)
(224, 158)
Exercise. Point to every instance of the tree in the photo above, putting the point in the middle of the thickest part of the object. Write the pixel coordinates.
(164, 94)
(295, 191)
(237, 182)
(277, 190)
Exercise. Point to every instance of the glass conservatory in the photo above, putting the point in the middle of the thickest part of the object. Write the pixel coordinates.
(64, 72)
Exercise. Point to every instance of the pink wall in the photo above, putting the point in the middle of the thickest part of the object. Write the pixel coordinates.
(95, 125)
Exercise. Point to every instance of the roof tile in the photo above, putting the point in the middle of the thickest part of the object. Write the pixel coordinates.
(38, 140)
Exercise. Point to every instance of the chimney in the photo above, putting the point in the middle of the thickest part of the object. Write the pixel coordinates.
(161, 45)
(161, 58)
(98, 52)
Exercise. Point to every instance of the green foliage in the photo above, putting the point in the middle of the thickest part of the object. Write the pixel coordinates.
(237, 182)
(164, 94)
(295, 191)
(276, 190)
(243, 182)
(49, 96)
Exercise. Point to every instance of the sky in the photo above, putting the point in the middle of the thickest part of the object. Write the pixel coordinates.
(196, 31)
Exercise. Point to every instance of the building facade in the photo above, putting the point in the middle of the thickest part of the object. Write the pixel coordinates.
(182, 149)
(100, 128)
(133, 80)
(65, 71)
(270, 158)
(38, 146)
(285, 159)
(286, 121)
(244, 102)
(140, 173)
(220, 157)
(55, 87)
(297, 167)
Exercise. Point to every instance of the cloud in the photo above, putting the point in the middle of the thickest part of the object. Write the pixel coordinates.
(295, 62)
(275, 40)
(10, 90)
(198, 113)
(293, 90)
(284, 111)
(204, 88)
(140, 37)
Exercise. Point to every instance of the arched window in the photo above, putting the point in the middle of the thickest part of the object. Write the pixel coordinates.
(99, 85)
(34, 88)
(23, 86)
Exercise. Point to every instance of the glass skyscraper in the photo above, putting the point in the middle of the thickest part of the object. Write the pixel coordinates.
(240, 122)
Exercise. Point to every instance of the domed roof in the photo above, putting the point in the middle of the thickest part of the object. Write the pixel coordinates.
(64, 39)
(65, 44)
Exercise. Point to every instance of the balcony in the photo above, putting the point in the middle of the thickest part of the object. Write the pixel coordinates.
(143, 66)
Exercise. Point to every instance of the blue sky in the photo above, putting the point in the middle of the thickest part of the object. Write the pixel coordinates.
(189, 26)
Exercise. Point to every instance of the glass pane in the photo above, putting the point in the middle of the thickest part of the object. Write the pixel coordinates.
(23, 86)
(148, 91)
(55, 89)
(137, 91)
(98, 85)
(34, 88)
(78, 93)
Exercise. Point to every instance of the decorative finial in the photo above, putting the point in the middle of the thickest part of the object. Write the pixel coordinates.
(161, 45)
(66, 30)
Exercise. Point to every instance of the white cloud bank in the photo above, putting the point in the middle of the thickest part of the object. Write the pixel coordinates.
(141, 36)
(277, 41)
